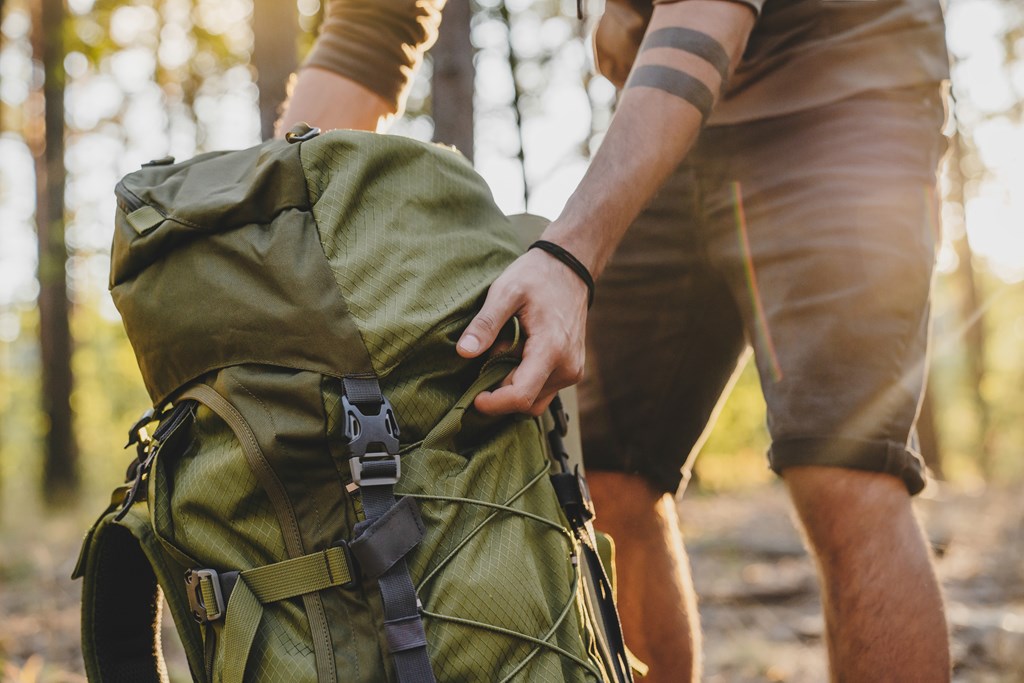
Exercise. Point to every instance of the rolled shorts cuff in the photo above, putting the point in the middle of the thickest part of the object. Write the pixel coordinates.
(889, 457)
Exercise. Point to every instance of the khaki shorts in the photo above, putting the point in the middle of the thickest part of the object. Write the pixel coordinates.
(810, 237)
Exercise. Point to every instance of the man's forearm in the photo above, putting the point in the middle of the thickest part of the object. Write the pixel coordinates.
(327, 100)
(359, 70)
(689, 50)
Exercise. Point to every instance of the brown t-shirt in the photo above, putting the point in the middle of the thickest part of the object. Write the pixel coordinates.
(801, 54)
(804, 54)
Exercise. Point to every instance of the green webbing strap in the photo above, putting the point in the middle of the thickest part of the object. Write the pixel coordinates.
(300, 575)
(240, 631)
(282, 580)
(144, 219)
(262, 585)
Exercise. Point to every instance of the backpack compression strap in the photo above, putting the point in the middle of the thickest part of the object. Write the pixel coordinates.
(212, 595)
(372, 430)
(574, 498)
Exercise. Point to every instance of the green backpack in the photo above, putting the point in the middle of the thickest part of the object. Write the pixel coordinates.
(318, 500)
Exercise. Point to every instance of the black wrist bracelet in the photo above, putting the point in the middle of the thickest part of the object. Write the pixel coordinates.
(572, 262)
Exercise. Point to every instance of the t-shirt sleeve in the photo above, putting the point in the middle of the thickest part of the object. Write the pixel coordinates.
(755, 5)
(377, 43)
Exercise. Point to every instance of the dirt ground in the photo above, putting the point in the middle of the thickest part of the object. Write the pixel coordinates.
(758, 595)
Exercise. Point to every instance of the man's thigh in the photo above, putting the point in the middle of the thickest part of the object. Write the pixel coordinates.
(824, 226)
(663, 340)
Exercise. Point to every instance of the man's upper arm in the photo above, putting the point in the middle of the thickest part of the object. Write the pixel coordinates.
(377, 43)
(755, 5)
(622, 28)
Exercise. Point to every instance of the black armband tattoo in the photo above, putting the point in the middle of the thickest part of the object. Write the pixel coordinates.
(675, 82)
(695, 42)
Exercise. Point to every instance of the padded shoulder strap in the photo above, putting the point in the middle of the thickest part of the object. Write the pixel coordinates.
(121, 601)
(120, 610)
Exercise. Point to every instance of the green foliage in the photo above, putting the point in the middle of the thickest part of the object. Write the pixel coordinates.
(1002, 384)
(107, 398)
(733, 457)
(188, 45)
(21, 420)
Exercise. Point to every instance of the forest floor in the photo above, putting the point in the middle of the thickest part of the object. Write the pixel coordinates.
(759, 600)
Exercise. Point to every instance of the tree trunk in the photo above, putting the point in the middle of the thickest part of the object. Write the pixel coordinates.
(3, 351)
(60, 457)
(275, 56)
(452, 84)
(517, 101)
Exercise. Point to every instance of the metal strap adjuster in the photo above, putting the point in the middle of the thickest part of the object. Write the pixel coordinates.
(376, 469)
(203, 587)
(301, 132)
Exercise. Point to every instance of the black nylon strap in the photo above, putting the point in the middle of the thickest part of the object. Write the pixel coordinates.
(389, 538)
(405, 634)
(572, 262)
(399, 596)
(364, 391)
(402, 623)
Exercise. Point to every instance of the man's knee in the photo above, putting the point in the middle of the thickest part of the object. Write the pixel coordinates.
(623, 488)
(832, 489)
(630, 507)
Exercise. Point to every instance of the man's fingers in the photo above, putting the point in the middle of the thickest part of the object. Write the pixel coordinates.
(484, 328)
(521, 394)
(540, 406)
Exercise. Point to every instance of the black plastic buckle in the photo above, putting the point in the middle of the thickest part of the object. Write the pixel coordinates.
(137, 433)
(370, 432)
(146, 447)
(373, 443)
(574, 496)
(194, 587)
(561, 417)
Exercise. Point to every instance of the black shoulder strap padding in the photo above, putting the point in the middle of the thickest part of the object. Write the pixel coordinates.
(121, 613)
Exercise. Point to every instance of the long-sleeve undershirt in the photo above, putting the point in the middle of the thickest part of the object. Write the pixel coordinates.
(377, 43)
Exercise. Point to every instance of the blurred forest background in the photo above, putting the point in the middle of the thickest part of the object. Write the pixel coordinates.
(90, 89)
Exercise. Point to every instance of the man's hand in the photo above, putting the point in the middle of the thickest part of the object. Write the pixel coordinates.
(551, 303)
(690, 49)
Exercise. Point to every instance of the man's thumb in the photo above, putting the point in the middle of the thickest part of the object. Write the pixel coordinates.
(484, 328)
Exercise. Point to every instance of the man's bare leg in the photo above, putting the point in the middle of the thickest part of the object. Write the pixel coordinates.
(883, 610)
(655, 591)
